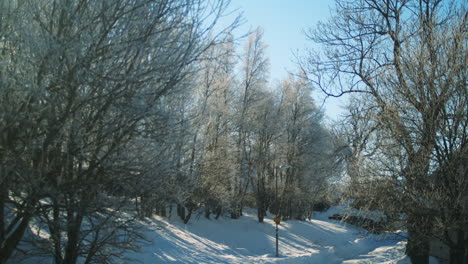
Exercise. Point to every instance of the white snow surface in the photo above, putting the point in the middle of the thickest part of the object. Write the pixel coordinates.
(245, 240)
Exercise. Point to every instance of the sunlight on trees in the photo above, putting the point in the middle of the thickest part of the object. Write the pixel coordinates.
(112, 111)
(405, 63)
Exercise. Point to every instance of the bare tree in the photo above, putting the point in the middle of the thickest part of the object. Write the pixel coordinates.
(266, 130)
(298, 146)
(214, 127)
(451, 159)
(86, 76)
(254, 73)
(409, 58)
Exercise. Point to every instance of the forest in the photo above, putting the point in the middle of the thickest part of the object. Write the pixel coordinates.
(117, 110)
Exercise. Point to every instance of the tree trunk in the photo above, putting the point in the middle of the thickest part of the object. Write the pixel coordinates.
(457, 256)
(417, 248)
(207, 212)
(261, 204)
(260, 214)
(181, 212)
(187, 217)
(466, 247)
(310, 211)
(3, 198)
(54, 227)
(137, 207)
(458, 253)
(74, 221)
(12, 241)
(234, 215)
(235, 212)
(218, 212)
(162, 209)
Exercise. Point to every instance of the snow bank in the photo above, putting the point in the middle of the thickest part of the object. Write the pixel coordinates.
(347, 209)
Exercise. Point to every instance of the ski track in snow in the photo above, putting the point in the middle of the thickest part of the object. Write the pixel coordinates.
(245, 240)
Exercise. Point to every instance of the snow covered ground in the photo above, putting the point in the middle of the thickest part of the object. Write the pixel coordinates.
(247, 241)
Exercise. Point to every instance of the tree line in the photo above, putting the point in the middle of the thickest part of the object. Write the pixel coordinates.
(115, 110)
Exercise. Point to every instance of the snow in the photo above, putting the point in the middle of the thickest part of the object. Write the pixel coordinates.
(347, 209)
(245, 240)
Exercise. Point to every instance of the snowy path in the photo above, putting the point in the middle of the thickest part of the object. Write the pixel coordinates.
(247, 241)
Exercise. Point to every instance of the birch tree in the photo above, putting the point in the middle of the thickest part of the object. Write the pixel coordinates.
(215, 127)
(297, 146)
(253, 78)
(266, 131)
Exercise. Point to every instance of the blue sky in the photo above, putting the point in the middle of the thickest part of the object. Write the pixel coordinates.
(284, 22)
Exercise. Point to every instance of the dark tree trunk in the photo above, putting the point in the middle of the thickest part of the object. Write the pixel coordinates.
(12, 241)
(74, 220)
(137, 207)
(162, 209)
(458, 253)
(187, 217)
(207, 212)
(235, 215)
(261, 198)
(310, 212)
(3, 200)
(181, 212)
(466, 247)
(417, 248)
(235, 211)
(15, 228)
(457, 256)
(260, 214)
(218, 212)
(54, 228)
(261, 204)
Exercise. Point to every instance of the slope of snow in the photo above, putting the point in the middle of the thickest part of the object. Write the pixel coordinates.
(247, 241)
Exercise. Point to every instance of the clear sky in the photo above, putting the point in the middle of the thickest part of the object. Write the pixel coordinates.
(284, 22)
